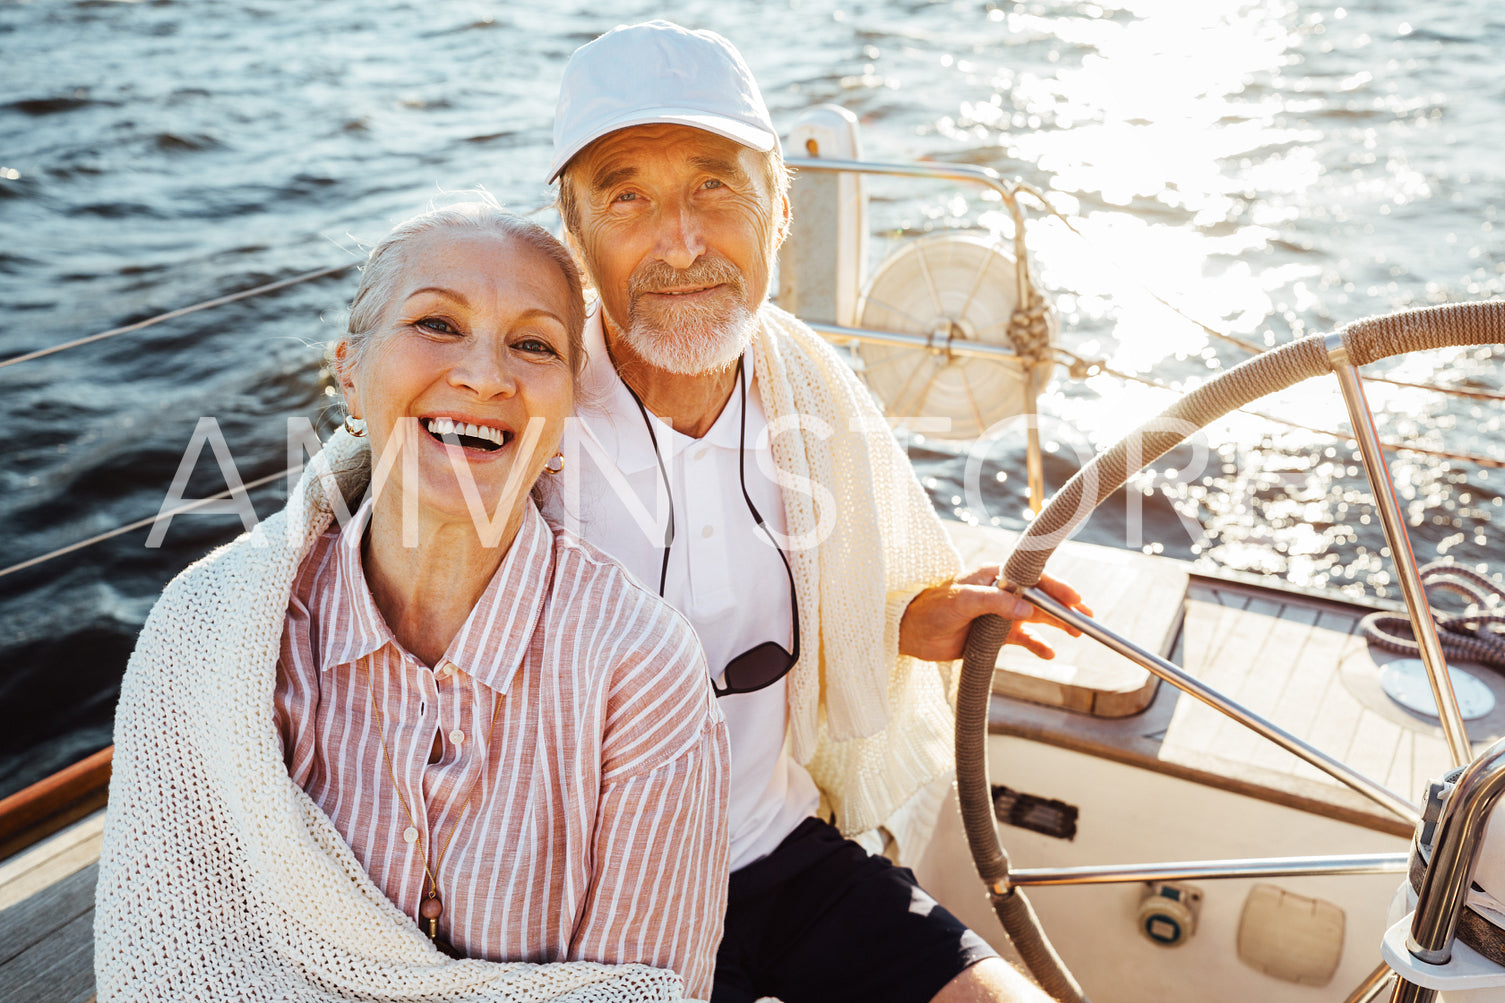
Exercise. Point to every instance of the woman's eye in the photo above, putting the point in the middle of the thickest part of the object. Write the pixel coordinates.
(535, 346)
(436, 325)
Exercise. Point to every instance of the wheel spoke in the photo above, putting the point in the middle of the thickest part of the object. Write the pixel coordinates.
(906, 403)
(1422, 624)
(1361, 342)
(1370, 989)
(972, 404)
(939, 308)
(1172, 674)
(917, 323)
(1199, 870)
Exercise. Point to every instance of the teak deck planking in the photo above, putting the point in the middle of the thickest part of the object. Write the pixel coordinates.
(47, 917)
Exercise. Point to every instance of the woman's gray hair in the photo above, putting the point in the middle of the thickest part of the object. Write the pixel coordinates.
(385, 265)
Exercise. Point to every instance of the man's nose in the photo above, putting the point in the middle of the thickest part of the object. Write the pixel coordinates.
(680, 241)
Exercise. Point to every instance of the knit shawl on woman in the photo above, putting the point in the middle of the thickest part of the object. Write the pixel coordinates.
(220, 879)
(873, 727)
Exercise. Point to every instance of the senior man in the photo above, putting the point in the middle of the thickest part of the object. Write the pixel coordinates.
(729, 458)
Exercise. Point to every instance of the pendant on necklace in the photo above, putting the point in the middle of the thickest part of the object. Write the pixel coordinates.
(431, 909)
(429, 912)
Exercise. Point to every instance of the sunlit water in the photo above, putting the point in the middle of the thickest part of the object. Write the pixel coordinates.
(1270, 169)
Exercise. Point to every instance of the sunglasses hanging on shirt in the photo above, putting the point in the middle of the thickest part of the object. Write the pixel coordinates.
(764, 664)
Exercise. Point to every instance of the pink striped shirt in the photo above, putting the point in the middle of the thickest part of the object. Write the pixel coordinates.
(597, 828)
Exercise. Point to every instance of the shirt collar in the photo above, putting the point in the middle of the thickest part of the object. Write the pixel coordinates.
(367, 631)
(496, 635)
(613, 420)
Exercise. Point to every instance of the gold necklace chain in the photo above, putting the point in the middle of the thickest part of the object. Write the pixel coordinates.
(433, 906)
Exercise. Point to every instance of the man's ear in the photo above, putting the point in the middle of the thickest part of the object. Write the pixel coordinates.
(574, 248)
(785, 216)
(588, 284)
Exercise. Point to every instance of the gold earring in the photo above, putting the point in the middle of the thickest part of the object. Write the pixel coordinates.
(550, 467)
(359, 433)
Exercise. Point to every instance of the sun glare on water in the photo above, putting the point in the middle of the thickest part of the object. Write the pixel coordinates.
(1261, 170)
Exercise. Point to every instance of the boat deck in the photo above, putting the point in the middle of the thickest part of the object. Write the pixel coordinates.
(1296, 659)
(47, 917)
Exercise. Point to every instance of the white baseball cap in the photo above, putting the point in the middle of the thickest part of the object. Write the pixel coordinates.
(637, 74)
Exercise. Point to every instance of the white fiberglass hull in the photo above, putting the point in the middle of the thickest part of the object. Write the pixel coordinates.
(1133, 815)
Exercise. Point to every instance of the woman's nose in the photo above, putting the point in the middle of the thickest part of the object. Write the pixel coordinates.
(484, 371)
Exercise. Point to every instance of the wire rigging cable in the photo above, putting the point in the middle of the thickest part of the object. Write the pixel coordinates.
(184, 311)
(141, 523)
(1080, 367)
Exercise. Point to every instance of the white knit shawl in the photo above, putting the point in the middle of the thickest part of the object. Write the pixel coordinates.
(874, 727)
(219, 878)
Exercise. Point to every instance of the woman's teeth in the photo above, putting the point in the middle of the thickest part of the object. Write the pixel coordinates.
(481, 436)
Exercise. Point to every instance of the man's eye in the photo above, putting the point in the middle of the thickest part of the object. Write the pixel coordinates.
(626, 197)
(436, 325)
(714, 183)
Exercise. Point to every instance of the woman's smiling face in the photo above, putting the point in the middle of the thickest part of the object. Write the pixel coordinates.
(472, 348)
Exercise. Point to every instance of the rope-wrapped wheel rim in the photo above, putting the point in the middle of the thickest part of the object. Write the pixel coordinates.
(1362, 342)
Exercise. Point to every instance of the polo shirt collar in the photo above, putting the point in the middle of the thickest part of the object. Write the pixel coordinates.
(612, 417)
(495, 637)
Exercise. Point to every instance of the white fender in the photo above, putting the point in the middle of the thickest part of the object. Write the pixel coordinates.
(823, 258)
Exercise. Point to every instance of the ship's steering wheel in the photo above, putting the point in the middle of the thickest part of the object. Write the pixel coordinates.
(1359, 343)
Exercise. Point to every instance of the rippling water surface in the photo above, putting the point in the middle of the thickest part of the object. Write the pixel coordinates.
(1270, 169)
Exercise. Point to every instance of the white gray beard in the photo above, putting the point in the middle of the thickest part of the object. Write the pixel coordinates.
(692, 339)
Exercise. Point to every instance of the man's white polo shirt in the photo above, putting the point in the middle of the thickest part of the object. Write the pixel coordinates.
(723, 574)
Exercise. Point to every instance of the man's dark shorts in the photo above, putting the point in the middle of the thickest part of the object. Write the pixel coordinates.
(820, 919)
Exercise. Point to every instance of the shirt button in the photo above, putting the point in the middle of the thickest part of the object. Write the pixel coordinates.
(457, 736)
(700, 453)
(410, 834)
(706, 531)
(444, 670)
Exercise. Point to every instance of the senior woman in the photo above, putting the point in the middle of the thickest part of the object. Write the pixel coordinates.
(443, 727)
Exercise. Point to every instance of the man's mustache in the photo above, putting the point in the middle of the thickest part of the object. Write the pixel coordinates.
(653, 276)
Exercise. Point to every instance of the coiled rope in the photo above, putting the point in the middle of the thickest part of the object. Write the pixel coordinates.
(1475, 635)
(1029, 328)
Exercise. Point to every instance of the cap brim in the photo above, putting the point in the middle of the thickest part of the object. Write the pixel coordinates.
(752, 136)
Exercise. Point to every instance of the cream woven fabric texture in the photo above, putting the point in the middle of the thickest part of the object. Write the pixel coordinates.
(219, 878)
(873, 727)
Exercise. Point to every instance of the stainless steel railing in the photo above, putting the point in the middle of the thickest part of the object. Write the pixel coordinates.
(1254, 867)
(1173, 674)
(1009, 192)
(1444, 889)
